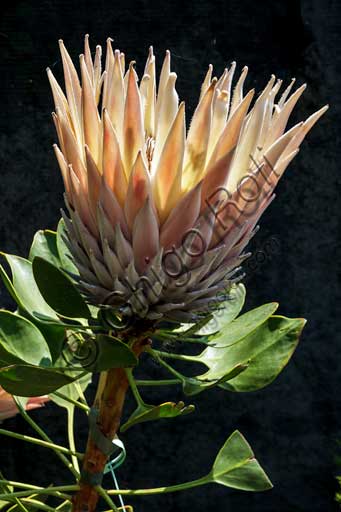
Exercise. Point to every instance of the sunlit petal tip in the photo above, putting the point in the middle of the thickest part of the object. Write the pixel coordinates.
(73, 90)
(322, 111)
(165, 114)
(282, 145)
(64, 170)
(71, 149)
(164, 75)
(167, 178)
(306, 127)
(133, 131)
(230, 134)
(286, 93)
(238, 90)
(58, 96)
(198, 139)
(207, 81)
(295, 95)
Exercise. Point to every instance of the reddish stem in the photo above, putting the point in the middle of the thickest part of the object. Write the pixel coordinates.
(110, 410)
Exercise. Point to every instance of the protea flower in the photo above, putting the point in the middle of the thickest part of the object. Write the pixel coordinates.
(8, 409)
(159, 218)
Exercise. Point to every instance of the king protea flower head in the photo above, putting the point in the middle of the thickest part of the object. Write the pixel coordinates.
(159, 218)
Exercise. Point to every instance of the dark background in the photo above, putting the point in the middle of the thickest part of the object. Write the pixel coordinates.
(294, 424)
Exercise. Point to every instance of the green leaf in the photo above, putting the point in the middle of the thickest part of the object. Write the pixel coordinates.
(217, 356)
(58, 290)
(262, 345)
(248, 355)
(235, 466)
(98, 353)
(26, 294)
(145, 412)
(21, 342)
(217, 320)
(44, 245)
(24, 289)
(25, 380)
(66, 259)
(216, 375)
(227, 312)
(111, 353)
(54, 336)
(243, 325)
(267, 350)
(186, 330)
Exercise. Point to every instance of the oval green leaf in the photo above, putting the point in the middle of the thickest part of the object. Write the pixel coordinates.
(44, 245)
(24, 289)
(100, 353)
(243, 325)
(25, 380)
(217, 374)
(249, 354)
(111, 353)
(227, 311)
(267, 351)
(58, 290)
(26, 294)
(21, 342)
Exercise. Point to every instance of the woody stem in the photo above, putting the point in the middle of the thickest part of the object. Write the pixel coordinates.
(109, 400)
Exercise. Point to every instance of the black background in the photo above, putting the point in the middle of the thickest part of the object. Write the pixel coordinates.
(294, 424)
